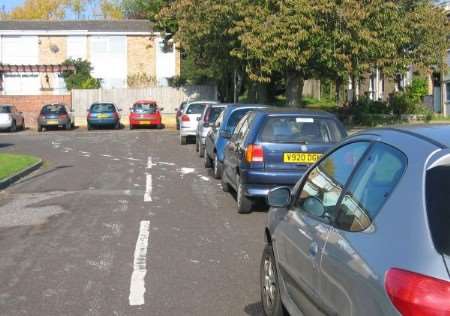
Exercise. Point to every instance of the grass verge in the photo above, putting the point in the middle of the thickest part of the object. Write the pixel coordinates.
(11, 164)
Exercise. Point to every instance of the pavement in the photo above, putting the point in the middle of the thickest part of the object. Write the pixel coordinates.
(123, 223)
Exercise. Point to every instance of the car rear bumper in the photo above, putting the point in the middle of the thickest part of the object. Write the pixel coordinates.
(258, 183)
(145, 121)
(55, 122)
(188, 131)
(5, 125)
(101, 122)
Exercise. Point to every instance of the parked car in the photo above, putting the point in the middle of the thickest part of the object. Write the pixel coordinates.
(179, 113)
(55, 115)
(103, 114)
(365, 231)
(189, 119)
(273, 147)
(10, 118)
(221, 132)
(145, 113)
(208, 118)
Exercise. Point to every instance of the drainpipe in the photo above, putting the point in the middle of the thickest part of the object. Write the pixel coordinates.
(443, 96)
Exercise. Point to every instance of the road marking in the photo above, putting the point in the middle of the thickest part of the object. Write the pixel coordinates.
(137, 283)
(148, 189)
(107, 156)
(149, 163)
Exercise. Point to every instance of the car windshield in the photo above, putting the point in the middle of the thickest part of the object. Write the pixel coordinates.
(196, 108)
(214, 114)
(5, 109)
(234, 119)
(438, 201)
(304, 130)
(54, 109)
(149, 108)
(102, 108)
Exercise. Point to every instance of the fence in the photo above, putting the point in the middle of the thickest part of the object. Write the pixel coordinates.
(166, 97)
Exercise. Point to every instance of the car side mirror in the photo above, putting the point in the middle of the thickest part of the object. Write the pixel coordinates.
(198, 119)
(120, 110)
(314, 206)
(279, 197)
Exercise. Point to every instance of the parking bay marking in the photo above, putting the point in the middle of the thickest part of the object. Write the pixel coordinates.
(148, 188)
(137, 283)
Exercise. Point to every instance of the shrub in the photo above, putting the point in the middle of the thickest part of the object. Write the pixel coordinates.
(80, 78)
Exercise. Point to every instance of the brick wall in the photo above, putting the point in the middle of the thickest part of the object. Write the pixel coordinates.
(31, 105)
(141, 56)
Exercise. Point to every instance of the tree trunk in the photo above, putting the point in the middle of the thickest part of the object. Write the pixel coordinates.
(294, 89)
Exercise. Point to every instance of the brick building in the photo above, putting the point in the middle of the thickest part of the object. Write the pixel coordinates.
(120, 52)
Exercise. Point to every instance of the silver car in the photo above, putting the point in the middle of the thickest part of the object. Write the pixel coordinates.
(205, 122)
(189, 119)
(10, 118)
(366, 231)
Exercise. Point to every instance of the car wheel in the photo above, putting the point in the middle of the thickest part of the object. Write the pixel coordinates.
(197, 145)
(270, 289)
(244, 204)
(39, 128)
(218, 168)
(178, 126)
(68, 126)
(89, 127)
(225, 185)
(23, 126)
(208, 161)
(201, 151)
(13, 127)
(131, 126)
(183, 140)
(117, 125)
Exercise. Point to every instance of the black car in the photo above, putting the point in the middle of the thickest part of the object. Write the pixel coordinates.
(271, 148)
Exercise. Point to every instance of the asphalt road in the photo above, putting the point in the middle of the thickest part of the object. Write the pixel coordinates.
(109, 205)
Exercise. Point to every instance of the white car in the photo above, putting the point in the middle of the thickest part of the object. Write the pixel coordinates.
(189, 119)
(10, 118)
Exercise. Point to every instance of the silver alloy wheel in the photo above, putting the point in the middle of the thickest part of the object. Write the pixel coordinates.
(216, 162)
(270, 283)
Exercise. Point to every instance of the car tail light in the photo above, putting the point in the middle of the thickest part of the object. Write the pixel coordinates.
(89, 115)
(254, 153)
(185, 118)
(116, 115)
(416, 294)
(63, 116)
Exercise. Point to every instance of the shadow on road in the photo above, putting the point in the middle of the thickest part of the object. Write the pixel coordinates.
(254, 309)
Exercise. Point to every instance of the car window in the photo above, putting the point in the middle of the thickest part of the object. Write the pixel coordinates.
(54, 109)
(196, 108)
(219, 120)
(5, 109)
(438, 201)
(213, 114)
(102, 108)
(370, 187)
(325, 183)
(149, 108)
(305, 130)
(234, 119)
(243, 130)
(237, 130)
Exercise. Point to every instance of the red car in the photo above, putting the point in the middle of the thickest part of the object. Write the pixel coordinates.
(145, 113)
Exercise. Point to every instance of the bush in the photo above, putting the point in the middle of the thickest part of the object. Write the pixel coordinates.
(80, 78)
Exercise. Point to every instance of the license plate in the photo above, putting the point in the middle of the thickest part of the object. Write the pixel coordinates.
(145, 122)
(52, 122)
(303, 158)
(102, 115)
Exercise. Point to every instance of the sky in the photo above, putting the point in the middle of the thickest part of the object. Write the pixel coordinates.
(10, 3)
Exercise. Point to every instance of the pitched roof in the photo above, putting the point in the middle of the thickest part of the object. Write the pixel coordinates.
(80, 25)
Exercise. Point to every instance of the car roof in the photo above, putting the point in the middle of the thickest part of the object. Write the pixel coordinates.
(274, 111)
(145, 101)
(204, 101)
(436, 134)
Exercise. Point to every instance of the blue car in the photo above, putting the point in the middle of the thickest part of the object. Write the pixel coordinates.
(271, 148)
(221, 132)
(103, 115)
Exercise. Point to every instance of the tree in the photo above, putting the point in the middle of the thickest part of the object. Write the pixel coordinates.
(112, 9)
(81, 78)
(40, 9)
(143, 9)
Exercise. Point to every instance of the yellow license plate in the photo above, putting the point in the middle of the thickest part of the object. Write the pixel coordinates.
(303, 158)
(52, 122)
(102, 115)
(145, 122)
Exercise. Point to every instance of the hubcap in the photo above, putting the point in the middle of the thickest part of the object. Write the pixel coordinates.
(269, 283)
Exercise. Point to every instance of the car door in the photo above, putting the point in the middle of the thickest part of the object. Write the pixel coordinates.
(234, 150)
(348, 285)
(302, 234)
(212, 136)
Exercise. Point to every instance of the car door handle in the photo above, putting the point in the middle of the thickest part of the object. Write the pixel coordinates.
(313, 249)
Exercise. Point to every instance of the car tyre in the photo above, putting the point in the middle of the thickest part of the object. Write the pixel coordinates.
(270, 288)
(89, 127)
(183, 140)
(225, 185)
(201, 151)
(208, 161)
(68, 126)
(131, 126)
(197, 145)
(218, 168)
(244, 204)
(117, 125)
(13, 127)
(39, 128)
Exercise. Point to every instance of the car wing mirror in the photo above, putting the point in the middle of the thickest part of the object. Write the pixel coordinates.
(314, 206)
(279, 197)
(198, 119)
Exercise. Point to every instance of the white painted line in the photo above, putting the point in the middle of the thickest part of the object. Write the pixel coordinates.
(108, 156)
(149, 163)
(133, 159)
(148, 189)
(137, 283)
